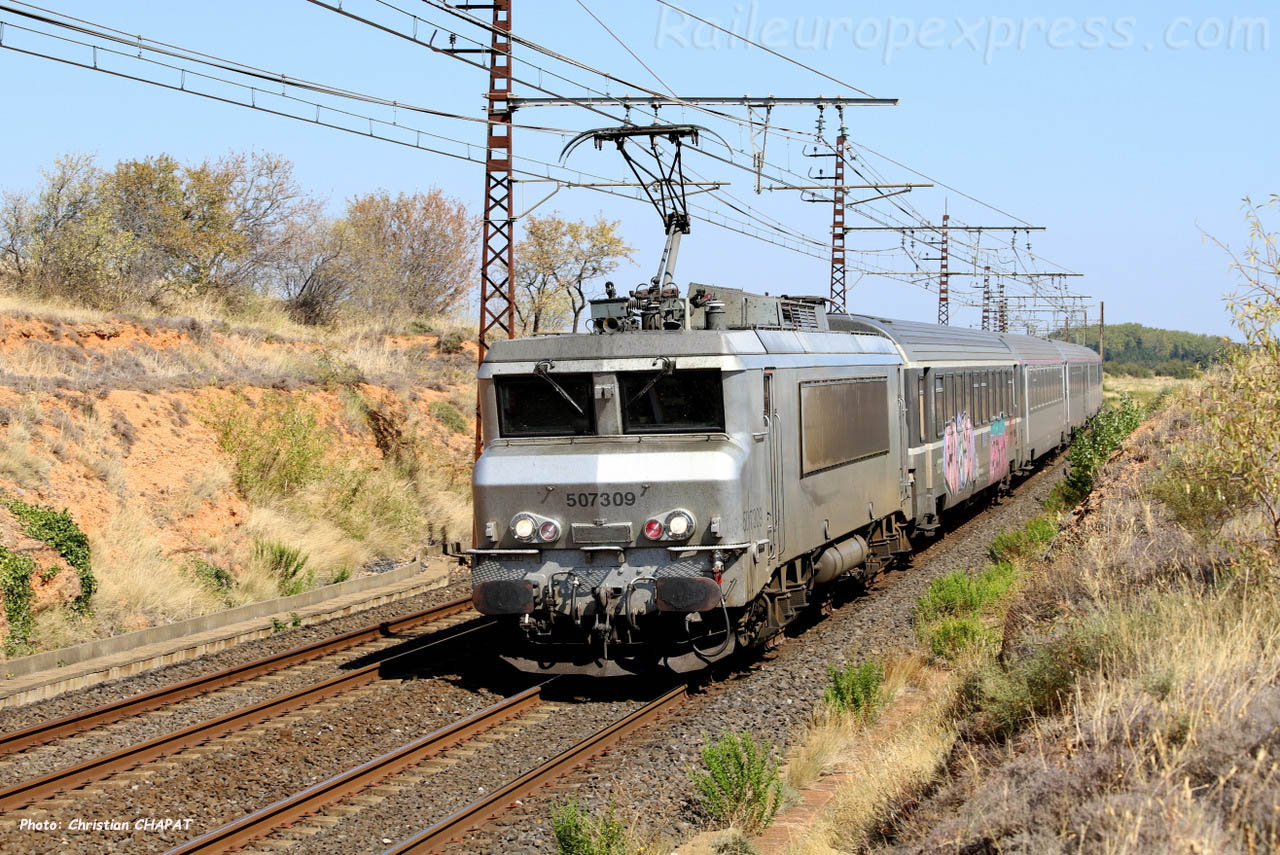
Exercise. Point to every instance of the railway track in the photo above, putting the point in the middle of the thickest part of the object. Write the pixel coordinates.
(374, 774)
(44, 732)
(476, 815)
(27, 792)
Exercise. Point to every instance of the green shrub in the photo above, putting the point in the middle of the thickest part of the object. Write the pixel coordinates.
(447, 414)
(735, 843)
(60, 533)
(215, 579)
(452, 342)
(959, 594)
(952, 594)
(951, 636)
(576, 832)
(855, 689)
(1201, 503)
(741, 786)
(332, 370)
(1091, 448)
(342, 574)
(287, 565)
(275, 448)
(1024, 543)
(15, 586)
(1037, 684)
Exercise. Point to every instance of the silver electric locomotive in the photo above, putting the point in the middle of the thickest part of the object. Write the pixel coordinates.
(686, 478)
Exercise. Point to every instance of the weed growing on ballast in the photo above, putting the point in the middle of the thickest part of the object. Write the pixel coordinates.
(741, 786)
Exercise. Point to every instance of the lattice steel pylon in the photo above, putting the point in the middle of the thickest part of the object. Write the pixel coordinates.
(986, 299)
(497, 247)
(839, 288)
(944, 276)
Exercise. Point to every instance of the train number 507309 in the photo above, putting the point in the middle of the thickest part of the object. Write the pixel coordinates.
(616, 499)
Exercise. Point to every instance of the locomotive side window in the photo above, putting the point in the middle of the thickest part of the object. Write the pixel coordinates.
(530, 406)
(681, 402)
(842, 422)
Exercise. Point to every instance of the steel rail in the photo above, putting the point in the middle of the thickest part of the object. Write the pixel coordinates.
(39, 734)
(236, 834)
(474, 815)
(73, 777)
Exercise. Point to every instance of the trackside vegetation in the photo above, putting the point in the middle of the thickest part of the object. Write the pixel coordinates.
(58, 531)
(739, 785)
(1118, 693)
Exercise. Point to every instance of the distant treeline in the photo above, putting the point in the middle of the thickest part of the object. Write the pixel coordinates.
(1146, 351)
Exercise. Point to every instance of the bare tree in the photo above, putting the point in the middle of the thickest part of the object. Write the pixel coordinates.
(412, 254)
(313, 274)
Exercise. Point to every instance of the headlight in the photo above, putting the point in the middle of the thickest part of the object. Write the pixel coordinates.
(523, 527)
(679, 525)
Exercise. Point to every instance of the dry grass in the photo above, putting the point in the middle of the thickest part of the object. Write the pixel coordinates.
(328, 547)
(19, 461)
(1138, 700)
(138, 584)
(885, 763)
(1144, 390)
(830, 736)
(66, 426)
(11, 304)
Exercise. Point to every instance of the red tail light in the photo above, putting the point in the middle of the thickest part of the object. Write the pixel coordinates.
(653, 530)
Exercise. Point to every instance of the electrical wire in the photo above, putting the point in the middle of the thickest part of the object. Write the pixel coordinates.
(626, 47)
(754, 44)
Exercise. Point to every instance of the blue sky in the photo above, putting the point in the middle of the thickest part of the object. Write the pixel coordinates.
(1125, 128)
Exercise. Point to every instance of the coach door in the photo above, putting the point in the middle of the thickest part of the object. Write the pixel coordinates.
(774, 425)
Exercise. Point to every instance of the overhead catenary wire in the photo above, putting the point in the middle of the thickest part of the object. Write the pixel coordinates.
(555, 171)
(764, 48)
(626, 47)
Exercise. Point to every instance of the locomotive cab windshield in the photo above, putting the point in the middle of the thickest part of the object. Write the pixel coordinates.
(539, 405)
(676, 402)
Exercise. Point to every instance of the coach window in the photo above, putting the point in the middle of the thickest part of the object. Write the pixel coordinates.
(939, 421)
(949, 406)
(920, 401)
(843, 422)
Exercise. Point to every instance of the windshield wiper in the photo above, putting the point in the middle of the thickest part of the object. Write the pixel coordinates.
(542, 369)
(668, 367)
